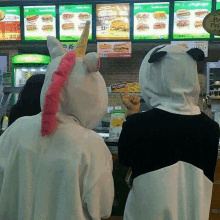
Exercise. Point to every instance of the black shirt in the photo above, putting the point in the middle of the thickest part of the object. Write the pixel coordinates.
(156, 139)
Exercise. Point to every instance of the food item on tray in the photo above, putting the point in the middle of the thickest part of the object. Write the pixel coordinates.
(201, 13)
(119, 25)
(47, 18)
(81, 26)
(198, 24)
(133, 87)
(142, 27)
(67, 16)
(183, 23)
(118, 87)
(47, 28)
(142, 16)
(83, 16)
(183, 45)
(160, 25)
(2, 15)
(32, 27)
(32, 18)
(160, 15)
(68, 26)
(121, 48)
(183, 13)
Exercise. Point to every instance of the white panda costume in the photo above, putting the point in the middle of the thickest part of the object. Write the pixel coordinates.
(52, 165)
(172, 149)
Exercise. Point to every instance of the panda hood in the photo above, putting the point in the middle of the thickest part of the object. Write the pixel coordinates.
(169, 81)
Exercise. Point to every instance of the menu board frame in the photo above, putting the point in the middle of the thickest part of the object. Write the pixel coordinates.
(131, 3)
(44, 23)
(158, 21)
(8, 6)
(59, 22)
(116, 26)
(187, 18)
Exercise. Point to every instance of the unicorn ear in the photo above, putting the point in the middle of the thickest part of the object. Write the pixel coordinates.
(92, 62)
(55, 47)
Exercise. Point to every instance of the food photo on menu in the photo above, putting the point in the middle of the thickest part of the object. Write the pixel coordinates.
(10, 23)
(73, 19)
(39, 22)
(151, 21)
(188, 19)
(113, 22)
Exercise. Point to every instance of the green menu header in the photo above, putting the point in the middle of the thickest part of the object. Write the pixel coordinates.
(11, 10)
(39, 10)
(31, 58)
(75, 9)
(193, 5)
(151, 8)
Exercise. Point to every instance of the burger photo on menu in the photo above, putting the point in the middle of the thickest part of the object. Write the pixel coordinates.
(142, 27)
(68, 16)
(47, 28)
(201, 13)
(2, 15)
(183, 13)
(32, 18)
(47, 18)
(84, 16)
(159, 25)
(142, 16)
(32, 27)
(119, 25)
(68, 26)
(158, 15)
(183, 23)
(123, 48)
(198, 24)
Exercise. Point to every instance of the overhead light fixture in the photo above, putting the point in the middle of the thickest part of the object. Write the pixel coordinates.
(33, 70)
(43, 70)
(23, 69)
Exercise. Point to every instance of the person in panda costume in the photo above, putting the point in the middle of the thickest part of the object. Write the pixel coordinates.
(52, 165)
(172, 149)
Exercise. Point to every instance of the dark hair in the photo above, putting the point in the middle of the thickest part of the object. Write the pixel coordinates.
(28, 103)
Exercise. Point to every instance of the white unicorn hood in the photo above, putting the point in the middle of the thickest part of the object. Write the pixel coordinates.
(169, 80)
(73, 87)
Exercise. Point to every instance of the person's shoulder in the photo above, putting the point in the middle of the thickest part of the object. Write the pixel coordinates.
(209, 122)
(139, 117)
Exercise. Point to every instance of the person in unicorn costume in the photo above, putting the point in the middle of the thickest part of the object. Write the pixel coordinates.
(52, 165)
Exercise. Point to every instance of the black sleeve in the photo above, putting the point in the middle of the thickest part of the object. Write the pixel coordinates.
(125, 146)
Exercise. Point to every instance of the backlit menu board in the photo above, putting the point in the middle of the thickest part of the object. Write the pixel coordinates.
(217, 8)
(188, 18)
(39, 22)
(73, 19)
(10, 23)
(151, 21)
(113, 22)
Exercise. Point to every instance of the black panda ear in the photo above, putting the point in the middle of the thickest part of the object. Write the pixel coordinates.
(197, 54)
(156, 56)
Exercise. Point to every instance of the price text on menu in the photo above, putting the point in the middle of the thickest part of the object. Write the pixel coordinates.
(10, 23)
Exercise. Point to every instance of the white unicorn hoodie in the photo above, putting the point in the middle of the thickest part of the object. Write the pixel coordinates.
(52, 165)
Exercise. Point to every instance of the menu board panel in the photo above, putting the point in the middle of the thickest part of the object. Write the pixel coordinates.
(73, 19)
(10, 23)
(151, 21)
(39, 22)
(188, 18)
(113, 22)
(217, 8)
(114, 49)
